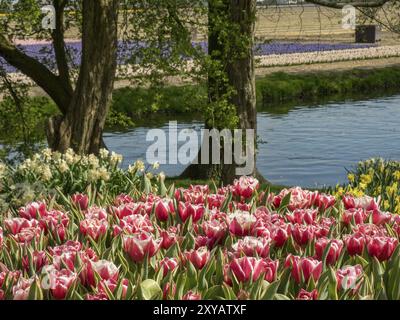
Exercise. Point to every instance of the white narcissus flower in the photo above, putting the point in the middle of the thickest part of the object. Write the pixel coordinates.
(115, 158)
(63, 166)
(104, 153)
(3, 169)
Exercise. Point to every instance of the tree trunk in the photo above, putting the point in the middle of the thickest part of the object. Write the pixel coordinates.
(241, 74)
(241, 77)
(81, 127)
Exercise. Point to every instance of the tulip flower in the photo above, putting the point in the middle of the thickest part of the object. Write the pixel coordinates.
(94, 228)
(16, 225)
(334, 252)
(381, 218)
(39, 260)
(367, 203)
(215, 231)
(279, 235)
(122, 199)
(348, 277)
(191, 296)
(324, 201)
(355, 244)
(382, 247)
(245, 187)
(303, 216)
(302, 234)
(33, 210)
(81, 201)
(61, 283)
(271, 270)
(304, 268)
(21, 289)
(305, 295)
(96, 213)
(241, 223)
(163, 209)
(247, 268)
(111, 285)
(187, 210)
(140, 246)
(358, 216)
(169, 237)
(199, 257)
(1, 238)
(251, 247)
(168, 265)
(105, 269)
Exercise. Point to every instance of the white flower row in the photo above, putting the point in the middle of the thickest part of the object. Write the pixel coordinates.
(328, 56)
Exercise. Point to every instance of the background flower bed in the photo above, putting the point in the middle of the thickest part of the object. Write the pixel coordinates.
(153, 242)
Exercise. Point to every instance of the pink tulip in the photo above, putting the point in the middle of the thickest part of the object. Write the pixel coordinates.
(358, 216)
(61, 283)
(304, 268)
(21, 289)
(303, 216)
(93, 228)
(246, 269)
(169, 237)
(199, 257)
(348, 276)
(122, 199)
(215, 232)
(16, 225)
(140, 246)
(96, 213)
(381, 218)
(187, 210)
(39, 260)
(191, 296)
(101, 296)
(241, 223)
(302, 234)
(367, 203)
(299, 198)
(168, 265)
(251, 247)
(1, 238)
(279, 236)
(334, 252)
(81, 201)
(245, 187)
(163, 209)
(105, 269)
(305, 295)
(111, 285)
(382, 247)
(355, 244)
(33, 210)
(271, 270)
(324, 201)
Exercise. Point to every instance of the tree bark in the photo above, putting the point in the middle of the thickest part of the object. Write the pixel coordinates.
(82, 125)
(241, 77)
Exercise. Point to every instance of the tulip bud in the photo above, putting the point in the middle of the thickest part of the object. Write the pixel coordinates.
(355, 244)
(140, 246)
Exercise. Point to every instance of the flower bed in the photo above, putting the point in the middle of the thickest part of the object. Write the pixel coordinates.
(236, 242)
(274, 60)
